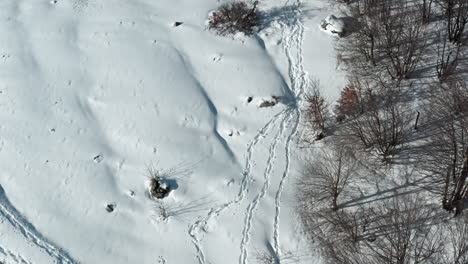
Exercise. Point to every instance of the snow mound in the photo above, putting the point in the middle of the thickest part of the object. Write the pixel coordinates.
(333, 25)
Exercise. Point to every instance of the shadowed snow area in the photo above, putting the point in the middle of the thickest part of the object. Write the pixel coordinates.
(94, 92)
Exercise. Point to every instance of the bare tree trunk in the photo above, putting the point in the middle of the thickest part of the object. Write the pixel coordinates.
(426, 9)
(448, 152)
(417, 120)
(456, 16)
(446, 61)
(461, 191)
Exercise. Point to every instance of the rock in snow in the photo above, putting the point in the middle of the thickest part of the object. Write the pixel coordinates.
(333, 25)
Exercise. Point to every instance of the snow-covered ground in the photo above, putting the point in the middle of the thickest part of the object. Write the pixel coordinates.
(94, 92)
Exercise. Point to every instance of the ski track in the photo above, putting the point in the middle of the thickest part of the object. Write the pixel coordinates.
(8, 212)
(214, 212)
(299, 81)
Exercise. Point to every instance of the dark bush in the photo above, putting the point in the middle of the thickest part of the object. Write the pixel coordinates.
(235, 17)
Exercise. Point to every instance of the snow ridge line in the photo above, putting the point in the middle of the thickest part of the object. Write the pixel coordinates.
(299, 82)
(267, 175)
(214, 212)
(9, 212)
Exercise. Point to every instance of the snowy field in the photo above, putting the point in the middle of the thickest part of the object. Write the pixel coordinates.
(94, 92)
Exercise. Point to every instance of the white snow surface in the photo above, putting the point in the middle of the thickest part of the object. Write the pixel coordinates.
(94, 92)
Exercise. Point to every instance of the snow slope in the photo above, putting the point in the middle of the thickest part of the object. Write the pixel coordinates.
(93, 92)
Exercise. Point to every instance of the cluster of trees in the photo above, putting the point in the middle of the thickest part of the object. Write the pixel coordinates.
(389, 182)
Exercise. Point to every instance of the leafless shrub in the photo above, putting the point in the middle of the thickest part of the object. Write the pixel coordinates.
(263, 257)
(156, 187)
(317, 108)
(238, 16)
(353, 98)
(162, 211)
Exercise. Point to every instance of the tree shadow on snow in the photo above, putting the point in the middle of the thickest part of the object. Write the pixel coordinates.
(288, 15)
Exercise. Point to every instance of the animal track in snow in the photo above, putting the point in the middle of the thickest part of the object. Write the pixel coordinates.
(217, 58)
(9, 214)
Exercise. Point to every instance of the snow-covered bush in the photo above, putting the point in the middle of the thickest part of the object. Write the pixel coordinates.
(235, 17)
(157, 188)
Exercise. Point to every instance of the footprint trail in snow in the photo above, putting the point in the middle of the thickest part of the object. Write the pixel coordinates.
(286, 122)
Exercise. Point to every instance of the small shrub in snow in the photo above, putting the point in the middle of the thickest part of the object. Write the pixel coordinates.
(263, 257)
(157, 188)
(162, 211)
(232, 18)
(348, 104)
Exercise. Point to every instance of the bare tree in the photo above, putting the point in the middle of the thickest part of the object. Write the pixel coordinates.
(447, 60)
(338, 234)
(456, 16)
(317, 108)
(329, 176)
(389, 34)
(366, 37)
(457, 246)
(383, 127)
(401, 230)
(403, 37)
(425, 7)
(406, 232)
(447, 156)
